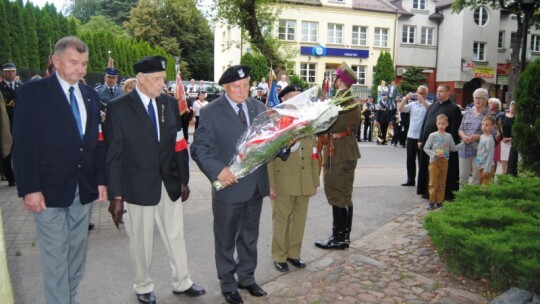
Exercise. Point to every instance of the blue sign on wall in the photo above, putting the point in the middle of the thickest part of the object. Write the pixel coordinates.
(320, 50)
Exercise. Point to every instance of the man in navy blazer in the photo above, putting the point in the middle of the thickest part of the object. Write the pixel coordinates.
(59, 165)
(148, 173)
(237, 207)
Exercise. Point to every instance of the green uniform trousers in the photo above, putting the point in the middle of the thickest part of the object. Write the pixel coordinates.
(289, 220)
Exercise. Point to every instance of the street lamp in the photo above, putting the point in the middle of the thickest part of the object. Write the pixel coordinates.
(177, 64)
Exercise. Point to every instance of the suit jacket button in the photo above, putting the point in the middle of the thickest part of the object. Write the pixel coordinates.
(80, 166)
(81, 149)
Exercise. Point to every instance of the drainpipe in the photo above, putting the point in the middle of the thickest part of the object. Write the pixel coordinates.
(438, 18)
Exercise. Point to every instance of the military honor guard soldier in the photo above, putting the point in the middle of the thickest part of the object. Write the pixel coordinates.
(340, 156)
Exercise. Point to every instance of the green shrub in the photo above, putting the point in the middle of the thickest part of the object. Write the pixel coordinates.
(492, 233)
(526, 128)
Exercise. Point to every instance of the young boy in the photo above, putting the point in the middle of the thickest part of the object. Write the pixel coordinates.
(438, 147)
(486, 149)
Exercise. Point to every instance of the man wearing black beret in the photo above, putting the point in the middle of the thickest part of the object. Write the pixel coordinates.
(148, 170)
(237, 207)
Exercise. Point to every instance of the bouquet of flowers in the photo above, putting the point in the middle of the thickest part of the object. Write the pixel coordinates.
(273, 130)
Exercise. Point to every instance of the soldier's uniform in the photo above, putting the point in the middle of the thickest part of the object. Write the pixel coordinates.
(107, 93)
(340, 155)
(9, 89)
(294, 178)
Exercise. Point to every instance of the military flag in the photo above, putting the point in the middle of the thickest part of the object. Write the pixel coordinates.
(180, 95)
(272, 98)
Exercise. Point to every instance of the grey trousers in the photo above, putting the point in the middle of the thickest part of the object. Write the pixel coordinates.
(63, 238)
(236, 226)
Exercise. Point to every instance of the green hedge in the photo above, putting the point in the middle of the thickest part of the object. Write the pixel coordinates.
(492, 234)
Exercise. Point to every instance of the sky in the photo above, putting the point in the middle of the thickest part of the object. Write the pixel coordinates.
(58, 3)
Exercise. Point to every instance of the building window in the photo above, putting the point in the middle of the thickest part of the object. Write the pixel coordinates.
(408, 34)
(360, 71)
(335, 33)
(381, 37)
(287, 29)
(535, 43)
(481, 16)
(307, 72)
(427, 36)
(500, 44)
(419, 4)
(479, 51)
(359, 35)
(309, 31)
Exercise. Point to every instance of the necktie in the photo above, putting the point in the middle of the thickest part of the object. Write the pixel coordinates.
(152, 114)
(111, 90)
(242, 115)
(11, 85)
(75, 110)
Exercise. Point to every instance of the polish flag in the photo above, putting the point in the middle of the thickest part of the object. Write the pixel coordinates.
(180, 95)
(315, 155)
(181, 143)
(100, 134)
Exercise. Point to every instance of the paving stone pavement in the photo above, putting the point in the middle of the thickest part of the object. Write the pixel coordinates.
(394, 264)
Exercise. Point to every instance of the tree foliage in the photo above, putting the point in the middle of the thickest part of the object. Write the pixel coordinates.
(412, 79)
(100, 23)
(256, 18)
(384, 70)
(526, 129)
(258, 64)
(29, 33)
(115, 10)
(179, 28)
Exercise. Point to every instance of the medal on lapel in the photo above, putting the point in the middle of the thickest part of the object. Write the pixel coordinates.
(162, 113)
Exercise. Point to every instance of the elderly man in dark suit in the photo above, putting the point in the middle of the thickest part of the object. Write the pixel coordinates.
(59, 163)
(237, 207)
(148, 169)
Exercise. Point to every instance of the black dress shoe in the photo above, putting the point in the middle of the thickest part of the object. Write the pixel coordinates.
(147, 298)
(12, 184)
(193, 291)
(281, 267)
(297, 263)
(91, 226)
(424, 196)
(232, 297)
(408, 184)
(254, 290)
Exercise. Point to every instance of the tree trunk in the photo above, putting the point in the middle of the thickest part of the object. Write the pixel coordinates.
(515, 45)
(256, 37)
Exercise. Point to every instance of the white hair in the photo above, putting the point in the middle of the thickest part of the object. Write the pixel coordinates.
(495, 100)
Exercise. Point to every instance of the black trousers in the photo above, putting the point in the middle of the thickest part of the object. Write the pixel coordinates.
(383, 129)
(8, 171)
(367, 130)
(413, 154)
(186, 118)
(403, 137)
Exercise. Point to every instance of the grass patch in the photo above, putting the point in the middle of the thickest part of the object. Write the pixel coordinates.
(492, 233)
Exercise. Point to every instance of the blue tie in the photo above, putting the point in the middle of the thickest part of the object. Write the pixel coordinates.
(75, 109)
(152, 114)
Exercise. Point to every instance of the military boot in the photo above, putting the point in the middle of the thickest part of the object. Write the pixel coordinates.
(337, 239)
(348, 224)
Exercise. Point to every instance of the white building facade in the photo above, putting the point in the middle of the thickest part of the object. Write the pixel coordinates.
(463, 50)
(324, 34)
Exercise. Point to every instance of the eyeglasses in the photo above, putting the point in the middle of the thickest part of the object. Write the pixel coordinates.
(476, 97)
